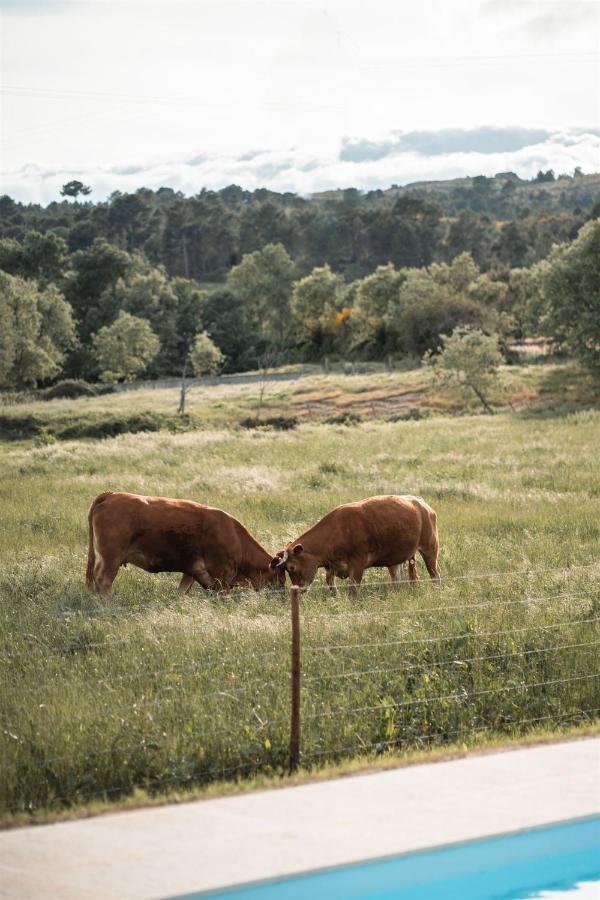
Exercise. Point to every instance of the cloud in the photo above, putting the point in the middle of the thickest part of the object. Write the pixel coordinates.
(28, 7)
(400, 158)
(544, 18)
(446, 140)
(556, 22)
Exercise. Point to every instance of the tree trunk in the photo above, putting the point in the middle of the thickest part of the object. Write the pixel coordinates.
(183, 390)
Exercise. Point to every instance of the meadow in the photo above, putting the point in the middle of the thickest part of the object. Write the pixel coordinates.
(160, 692)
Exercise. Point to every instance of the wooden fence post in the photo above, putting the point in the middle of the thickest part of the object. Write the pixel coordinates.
(295, 717)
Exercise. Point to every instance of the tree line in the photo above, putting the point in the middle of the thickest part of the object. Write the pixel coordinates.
(104, 313)
(502, 221)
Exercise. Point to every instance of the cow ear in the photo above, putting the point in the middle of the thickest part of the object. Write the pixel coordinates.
(298, 549)
(276, 561)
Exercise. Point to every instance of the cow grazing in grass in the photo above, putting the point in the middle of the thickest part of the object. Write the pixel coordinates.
(160, 535)
(379, 531)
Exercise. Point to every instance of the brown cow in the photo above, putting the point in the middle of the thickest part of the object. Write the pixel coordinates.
(161, 535)
(378, 531)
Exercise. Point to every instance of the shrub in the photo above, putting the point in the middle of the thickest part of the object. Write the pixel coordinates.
(111, 426)
(345, 418)
(68, 389)
(19, 427)
(278, 423)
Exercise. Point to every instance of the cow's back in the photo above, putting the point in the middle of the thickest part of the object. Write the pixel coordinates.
(161, 533)
(387, 527)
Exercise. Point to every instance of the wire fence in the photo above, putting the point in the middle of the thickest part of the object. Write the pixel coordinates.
(411, 678)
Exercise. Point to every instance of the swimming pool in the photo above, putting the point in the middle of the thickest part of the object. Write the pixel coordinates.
(554, 861)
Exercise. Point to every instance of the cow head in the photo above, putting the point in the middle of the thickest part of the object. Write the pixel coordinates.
(300, 565)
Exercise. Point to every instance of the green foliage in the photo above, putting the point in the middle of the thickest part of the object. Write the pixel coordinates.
(37, 330)
(277, 423)
(205, 356)
(92, 424)
(263, 280)
(125, 348)
(91, 286)
(344, 418)
(468, 360)
(40, 256)
(313, 306)
(229, 323)
(75, 189)
(570, 287)
(69, 388)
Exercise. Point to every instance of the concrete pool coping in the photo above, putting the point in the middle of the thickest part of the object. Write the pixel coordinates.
(203, 845)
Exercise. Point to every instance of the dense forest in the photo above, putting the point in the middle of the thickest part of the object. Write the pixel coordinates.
(240, 279)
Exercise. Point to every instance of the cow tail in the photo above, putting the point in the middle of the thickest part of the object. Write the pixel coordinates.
(91, 560)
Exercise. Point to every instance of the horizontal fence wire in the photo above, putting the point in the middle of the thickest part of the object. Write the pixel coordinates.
(248, 767)
(498, 726)
(133, 748)
(459, 636)
(475, 576)
(269, 723)
(522, 601)
(445, 662)
(181, 669)
(110, 644)
(458, 695)
(242, 692)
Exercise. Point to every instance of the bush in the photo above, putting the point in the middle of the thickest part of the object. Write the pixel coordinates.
(278, 423)
(345, 418)
(68, 389)
(414, 414)
(111, 426)
(19, 428)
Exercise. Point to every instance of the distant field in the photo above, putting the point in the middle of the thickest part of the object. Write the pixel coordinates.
(161, 692)
(535, 389)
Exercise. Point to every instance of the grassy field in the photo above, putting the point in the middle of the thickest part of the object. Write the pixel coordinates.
(539, 390)
(159, 692)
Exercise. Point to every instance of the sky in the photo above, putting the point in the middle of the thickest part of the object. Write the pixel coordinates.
(299, 95)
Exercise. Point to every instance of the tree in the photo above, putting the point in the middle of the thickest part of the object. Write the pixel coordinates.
(570, 284)
(91, 288)
(376, 310)
(125, 348)
(429, 308)
(229, 324)
(205, 356)
(313, 307)
(468, 360)
(147, 293)
(39, 256)
(37, 330)
(74, 189)
(263, 280)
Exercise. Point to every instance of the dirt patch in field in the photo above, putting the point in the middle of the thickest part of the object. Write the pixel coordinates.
(377, 402)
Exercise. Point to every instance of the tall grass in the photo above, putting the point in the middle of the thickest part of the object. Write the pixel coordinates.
(155, 690)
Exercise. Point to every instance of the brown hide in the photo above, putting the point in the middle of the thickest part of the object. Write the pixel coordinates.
(162, 535)
(379, 531)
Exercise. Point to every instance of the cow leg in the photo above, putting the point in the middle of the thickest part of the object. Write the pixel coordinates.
(413, 575)
(105, 572)
(202, 576)
(430, 558)
(395, 573)
(355, 574)
(330, 579)
(185, 584)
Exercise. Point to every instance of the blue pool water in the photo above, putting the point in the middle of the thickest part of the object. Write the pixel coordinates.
(556, 861)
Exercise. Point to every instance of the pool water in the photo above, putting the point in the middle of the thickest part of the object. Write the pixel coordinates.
(555, 861)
